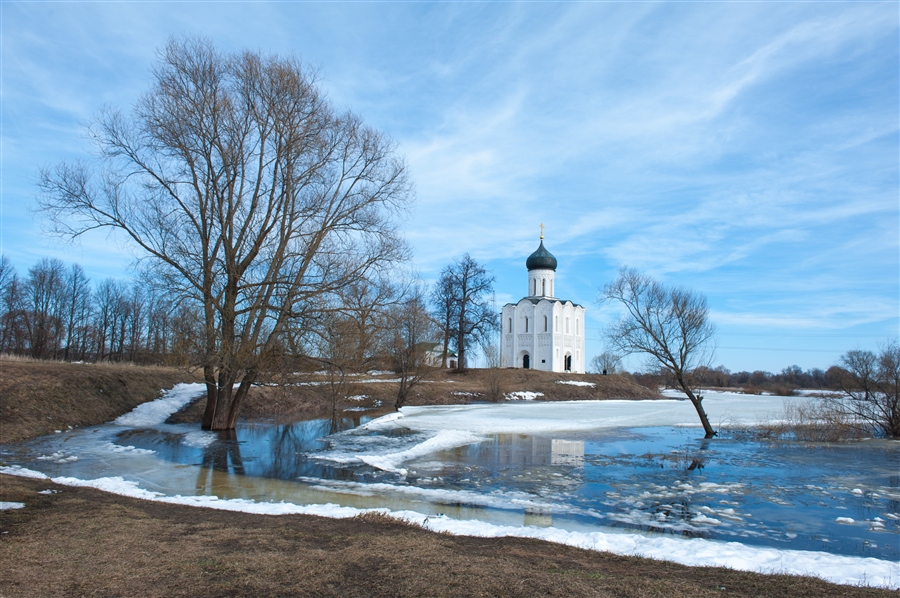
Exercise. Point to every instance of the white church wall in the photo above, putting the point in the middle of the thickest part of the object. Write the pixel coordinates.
(545, 329)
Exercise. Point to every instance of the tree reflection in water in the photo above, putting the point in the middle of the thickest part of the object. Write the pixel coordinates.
(220, 459)
(271, 451)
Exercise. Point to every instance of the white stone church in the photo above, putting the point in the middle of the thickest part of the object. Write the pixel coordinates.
(540, 331)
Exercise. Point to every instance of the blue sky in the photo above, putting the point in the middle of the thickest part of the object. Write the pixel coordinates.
(746, 150)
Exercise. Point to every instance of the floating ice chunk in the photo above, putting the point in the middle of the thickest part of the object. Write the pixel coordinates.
(857, 492)
(847, 520)
(117, 448)
(199, 439)
(59, 457)
(703, 519)
(445, 439)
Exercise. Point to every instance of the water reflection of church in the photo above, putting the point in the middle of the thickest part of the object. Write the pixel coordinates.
(540, 331)
(514, 451)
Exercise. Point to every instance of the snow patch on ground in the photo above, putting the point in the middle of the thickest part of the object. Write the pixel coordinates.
(576, 383)
(157, 412)
(6, 506)
(523, 395)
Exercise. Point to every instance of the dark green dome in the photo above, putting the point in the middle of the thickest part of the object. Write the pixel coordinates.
(541, 260)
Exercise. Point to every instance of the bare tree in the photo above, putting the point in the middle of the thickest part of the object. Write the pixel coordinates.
(469, 288)
(14, 337)
(494, 376)
(46, 292)
(78, 311)
(443, 298)
(606, 363)
(248, 194)
(671, 326)
(871, 386)
(412, 328)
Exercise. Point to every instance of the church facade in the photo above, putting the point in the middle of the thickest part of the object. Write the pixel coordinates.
(542, 332)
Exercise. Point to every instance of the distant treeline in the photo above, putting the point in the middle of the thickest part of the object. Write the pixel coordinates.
(784, 383)
(55, 312)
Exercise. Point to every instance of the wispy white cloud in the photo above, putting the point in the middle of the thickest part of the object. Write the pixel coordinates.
(737, 148)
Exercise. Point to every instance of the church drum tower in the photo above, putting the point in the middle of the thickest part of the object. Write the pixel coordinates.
(542, 332)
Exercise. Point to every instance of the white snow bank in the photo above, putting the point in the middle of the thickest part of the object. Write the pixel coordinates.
(687, 551)
(6, 506)
(576, 383)
(158, 411)
(694, 551)
(542, 418)
(523, 395)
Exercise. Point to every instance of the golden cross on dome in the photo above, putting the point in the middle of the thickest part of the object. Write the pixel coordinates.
(542, 231)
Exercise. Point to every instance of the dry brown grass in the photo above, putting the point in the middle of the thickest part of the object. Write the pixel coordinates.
(303, 397)
(82, 542)
(39, 397)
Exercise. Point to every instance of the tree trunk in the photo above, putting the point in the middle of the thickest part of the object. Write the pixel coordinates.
(704, 420)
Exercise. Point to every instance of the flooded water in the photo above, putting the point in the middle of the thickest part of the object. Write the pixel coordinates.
(838, 498)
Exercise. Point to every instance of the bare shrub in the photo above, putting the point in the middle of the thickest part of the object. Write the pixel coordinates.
(871, 387)
(813, 421)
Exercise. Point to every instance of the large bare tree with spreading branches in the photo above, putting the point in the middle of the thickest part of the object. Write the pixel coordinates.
(248, 193)
(670, 325)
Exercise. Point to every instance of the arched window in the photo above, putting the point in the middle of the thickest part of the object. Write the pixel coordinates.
(577, 326)
(545, 323)
(543, 287)
(526, 323)
(510, 324)
(567, 325)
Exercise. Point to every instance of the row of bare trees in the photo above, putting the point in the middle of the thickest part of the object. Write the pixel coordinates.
(55, 312)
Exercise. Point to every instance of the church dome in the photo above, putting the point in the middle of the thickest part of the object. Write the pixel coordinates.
(541, 259)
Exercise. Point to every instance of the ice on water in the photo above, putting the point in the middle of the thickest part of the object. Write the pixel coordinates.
(558, 463)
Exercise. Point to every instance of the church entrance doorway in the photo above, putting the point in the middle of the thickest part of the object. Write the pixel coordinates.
(526, 361)
(568, 363)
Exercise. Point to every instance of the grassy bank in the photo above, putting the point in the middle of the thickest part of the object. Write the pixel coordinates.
(82, 542)
(40, 397)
